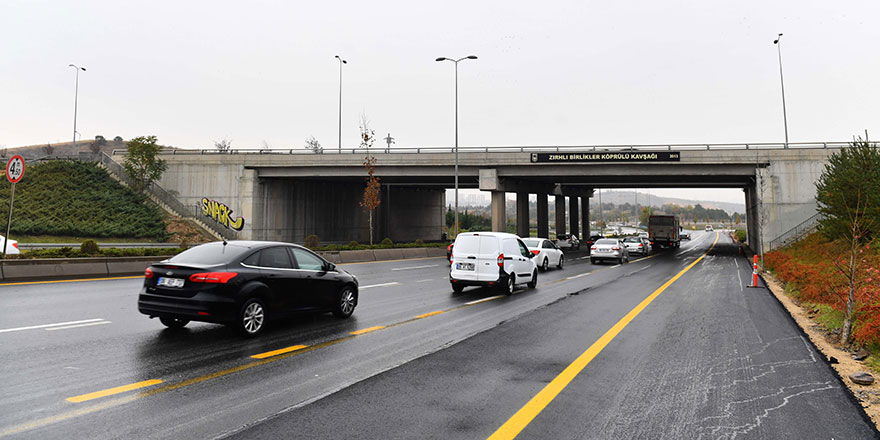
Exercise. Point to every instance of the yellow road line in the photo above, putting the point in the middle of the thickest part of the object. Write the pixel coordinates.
(367, 330)
(430, 314)
(513, 426)
(279, 351)
(71, 281)
(112, 391)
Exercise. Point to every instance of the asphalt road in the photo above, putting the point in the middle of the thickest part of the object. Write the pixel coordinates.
(707, 358)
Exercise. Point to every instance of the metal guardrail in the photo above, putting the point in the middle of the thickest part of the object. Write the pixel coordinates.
(516, 149)
(191, 212)
(797, 232)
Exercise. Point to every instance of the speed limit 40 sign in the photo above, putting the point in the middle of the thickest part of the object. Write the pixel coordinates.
(15, 168)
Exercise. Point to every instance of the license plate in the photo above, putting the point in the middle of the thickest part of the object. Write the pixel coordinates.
(170, 282)
(464, 266)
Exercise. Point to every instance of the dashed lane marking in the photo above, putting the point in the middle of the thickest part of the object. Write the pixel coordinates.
(393, 283)
(367, 330)
(416, 267)
(87, 324)
(279, 351)
(57, 324)
(112, 391)
(491, 298)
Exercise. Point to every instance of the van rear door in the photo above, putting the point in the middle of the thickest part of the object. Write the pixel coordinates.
(478, 250)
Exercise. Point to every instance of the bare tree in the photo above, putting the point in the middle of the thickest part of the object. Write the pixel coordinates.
(313, 145)
(372, 189)
(48, 149)
(223, 145)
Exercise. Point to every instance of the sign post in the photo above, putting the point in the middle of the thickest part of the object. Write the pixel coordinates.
(14, 172)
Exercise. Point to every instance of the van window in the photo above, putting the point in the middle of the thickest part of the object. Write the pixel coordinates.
(474, 245)
(511, 247)
(523, 249)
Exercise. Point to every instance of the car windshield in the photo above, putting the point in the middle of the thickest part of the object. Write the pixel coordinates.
(607, 241)
(631, 240)
(532, 243)
(209, 254)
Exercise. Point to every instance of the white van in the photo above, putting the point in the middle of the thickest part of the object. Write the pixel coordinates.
(493, 259)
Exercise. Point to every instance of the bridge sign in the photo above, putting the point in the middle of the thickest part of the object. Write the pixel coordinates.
(608, 156)
(15, 168)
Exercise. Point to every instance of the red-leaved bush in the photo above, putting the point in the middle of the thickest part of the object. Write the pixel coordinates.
(808, 267)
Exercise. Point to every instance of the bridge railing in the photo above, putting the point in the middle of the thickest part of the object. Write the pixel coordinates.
(516, 149)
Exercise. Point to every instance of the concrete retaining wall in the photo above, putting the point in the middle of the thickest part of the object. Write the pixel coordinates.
(54, 268)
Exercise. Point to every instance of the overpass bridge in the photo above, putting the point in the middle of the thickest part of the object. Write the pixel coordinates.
(289, 194)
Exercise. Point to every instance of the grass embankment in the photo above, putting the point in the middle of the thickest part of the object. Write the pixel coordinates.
(810, 277)
(79, 200)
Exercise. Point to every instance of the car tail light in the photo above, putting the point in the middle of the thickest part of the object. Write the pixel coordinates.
(500, 260)
(640, 245)
(615, 248)
(212, 277)
(536, 252)
(450, 258)
(15, 245)
(148, 273)
(593, 248)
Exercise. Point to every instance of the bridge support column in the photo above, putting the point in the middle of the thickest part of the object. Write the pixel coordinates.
(522, 214)
(560, 214)
(574, 215)
(753, 218)
(499, 211)
(543, 216)
(585, 217)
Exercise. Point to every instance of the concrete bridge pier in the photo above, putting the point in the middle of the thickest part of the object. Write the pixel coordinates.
(499, 211)
(543, 216)
(522, 214)
(560, 214)
(585, 217)
(574, 215)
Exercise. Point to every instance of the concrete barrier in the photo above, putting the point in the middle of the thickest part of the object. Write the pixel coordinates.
(49, 268)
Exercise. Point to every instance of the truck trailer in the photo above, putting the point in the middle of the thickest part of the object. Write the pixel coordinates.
(664, 231)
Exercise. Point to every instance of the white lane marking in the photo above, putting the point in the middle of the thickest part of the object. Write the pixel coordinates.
(393, 283)
(578, 276)
(483, 300)
(49, 325)
(616, 265)
(415, 267)
(424, 281)
(78, 325)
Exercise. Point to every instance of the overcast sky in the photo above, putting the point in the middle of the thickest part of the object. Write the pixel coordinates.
(554, 73)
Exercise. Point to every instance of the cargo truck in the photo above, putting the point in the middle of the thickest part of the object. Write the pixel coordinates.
(664, 231)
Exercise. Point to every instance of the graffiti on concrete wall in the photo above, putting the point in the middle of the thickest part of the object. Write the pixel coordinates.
(221, 213)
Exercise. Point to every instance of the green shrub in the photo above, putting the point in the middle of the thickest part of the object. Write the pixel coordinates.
(419, 242)
(353, 244)
(89, 247)
(312, 241)
(741, 235)
(387, 242)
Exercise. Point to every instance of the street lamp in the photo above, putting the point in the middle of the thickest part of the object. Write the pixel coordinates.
(469, 57)
(341, 62)
(75, 98)
(782, 83)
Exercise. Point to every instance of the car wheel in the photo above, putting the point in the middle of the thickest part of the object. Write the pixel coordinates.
(252, 318)
(457, 288)
(561, 262)
(592, 261)
(545, 265)
(534, 282)
(346, 303)
(511, 283)
(174, 322)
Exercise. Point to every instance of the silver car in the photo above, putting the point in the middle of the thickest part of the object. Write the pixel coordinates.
(637, 245)
(609, 249)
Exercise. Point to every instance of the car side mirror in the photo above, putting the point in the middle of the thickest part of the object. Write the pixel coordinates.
(329, 267)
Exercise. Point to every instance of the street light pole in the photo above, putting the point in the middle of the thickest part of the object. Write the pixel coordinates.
(469, 57)
(341, 62)
(778, 44)
(75, 98)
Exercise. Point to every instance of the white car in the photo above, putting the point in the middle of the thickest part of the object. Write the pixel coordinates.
(570, 241)
(609, 249)
(11, 248)
(491, 259)
(637, 245)
(546, 253)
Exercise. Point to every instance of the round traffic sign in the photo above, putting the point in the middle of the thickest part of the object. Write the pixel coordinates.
(15, 168)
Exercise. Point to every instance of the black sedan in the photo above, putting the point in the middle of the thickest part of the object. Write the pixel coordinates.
(243, 284)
